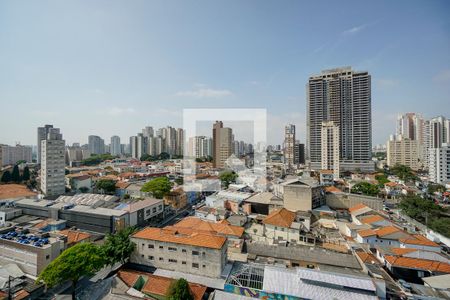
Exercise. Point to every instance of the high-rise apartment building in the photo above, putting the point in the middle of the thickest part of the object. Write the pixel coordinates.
(222, 149)
(179, 141)
(134, 147)
(10, 155)
(96, 145)
(411, 126)
(115, 145)
(289, 144)
(439, 168)
(75, 154)
(148, 131)
(41, 135)
(404, 151)
(330, 147)
(344, 97)
(53, 163)
(141, 145)
(299, 153)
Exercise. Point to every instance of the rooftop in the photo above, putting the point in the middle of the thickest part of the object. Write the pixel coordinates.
(418, 263)
(154, 284)
(182, 236)
(419, 240)
(280, 217)
(372, 219)
(201, 225)
(74, 236)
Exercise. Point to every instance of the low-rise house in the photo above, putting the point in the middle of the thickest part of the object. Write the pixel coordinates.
(414, 269)
(181, 249)
(221, 228)
(388, 236)
(280, 226)
(143, 212)
(176, 198)
(74, 237)
(411, 253)
(121, 188)
(374, 221)
(420, 242)
(358, 211)
(264, 203)
(143, 285)
(79, 182)
(210, 213)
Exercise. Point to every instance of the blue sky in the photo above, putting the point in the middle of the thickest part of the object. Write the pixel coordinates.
(113, 67)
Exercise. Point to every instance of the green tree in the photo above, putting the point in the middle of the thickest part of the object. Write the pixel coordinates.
(179, 181)
(227, 178)
(106, 185)
(365, 188)
(6, 177)
(15, 176)
(163, 156)
(26, 174)
(83, 259)
(118, 247)
(159, 187)
(179, 290)
(382, 179)
(403, 172)
(433, 188)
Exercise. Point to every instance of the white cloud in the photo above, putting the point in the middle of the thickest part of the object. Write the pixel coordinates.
(442, 77)
(354, 30)
(118, 111)
(204, 92)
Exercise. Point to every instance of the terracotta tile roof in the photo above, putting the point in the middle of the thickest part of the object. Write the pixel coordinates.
(219, 228)
(402, 251)
(157, 285)
(75, 236)
(178, 236)
(122, 185)
(367, 257)
(280, 217)
(372, 219)
(357, 207)
(419, 240)
(128, 175)
(129, 277)
(418, 263)
(22, 294)
(383, 231)
(13, 190)
(366, 232)
(332, 189)
(391, 184)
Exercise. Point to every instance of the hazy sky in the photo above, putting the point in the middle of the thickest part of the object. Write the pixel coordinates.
(113, 67)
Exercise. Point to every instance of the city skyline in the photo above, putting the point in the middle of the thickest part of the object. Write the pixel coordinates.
(115, 80)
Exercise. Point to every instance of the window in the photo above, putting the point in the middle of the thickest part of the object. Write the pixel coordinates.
(151, 246)
(195, 253)
(195, 265)
(47, 256)
(161, 247)
(172, 260)
(183, 250)
(154, 209)
(147, 212)
(160, 207)
(183, 262)
(151, 257)
(161, 259)
(172, 249)
(204, 266)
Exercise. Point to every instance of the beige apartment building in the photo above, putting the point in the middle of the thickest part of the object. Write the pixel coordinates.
(181, 249)
(405, 151)
(330, 147)
(222, 144)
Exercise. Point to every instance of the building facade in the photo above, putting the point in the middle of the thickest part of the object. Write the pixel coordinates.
(41, 135)
(289, 145)
(344, 97)
(53, 163)
(96, 144)
(10, 155)
(222, 144)
(405, 151)
(330, 147)
(115, 145)
(439, 169)
(181, 250)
